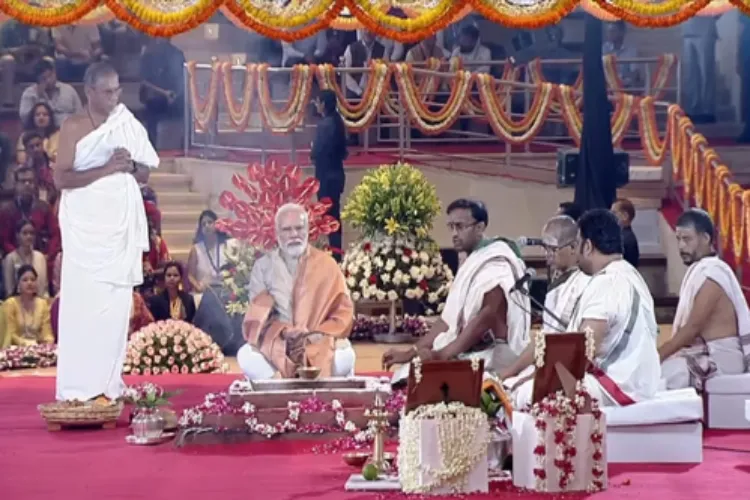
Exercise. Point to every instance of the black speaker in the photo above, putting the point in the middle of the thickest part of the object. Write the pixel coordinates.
(569, 160)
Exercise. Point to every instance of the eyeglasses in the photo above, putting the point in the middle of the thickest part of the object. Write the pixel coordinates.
(555, 248)
(459, 226)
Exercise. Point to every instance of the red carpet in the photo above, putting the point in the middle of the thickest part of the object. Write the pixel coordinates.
(94, 465)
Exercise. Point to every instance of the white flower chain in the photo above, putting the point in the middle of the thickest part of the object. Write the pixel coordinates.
(458, 454)
(540, 347)
(417, 364)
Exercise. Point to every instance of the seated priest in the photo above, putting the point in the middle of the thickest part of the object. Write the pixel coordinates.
(617, 307)
(300, 311)
(711, 331)
(566, 283)
(484, 316)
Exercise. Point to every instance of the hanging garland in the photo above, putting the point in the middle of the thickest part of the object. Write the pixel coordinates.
(239, 118)
(163, 23)
(359, 116)
(292, 114)
(524, 16)
(653, 15)
(62, 12)
(286, 34)
(204, 109)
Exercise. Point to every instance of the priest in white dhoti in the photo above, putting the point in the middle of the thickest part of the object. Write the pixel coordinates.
(711, 330)
(300, 311)
(104, 153)
(484, 317)
(617, 308)
(566, 283)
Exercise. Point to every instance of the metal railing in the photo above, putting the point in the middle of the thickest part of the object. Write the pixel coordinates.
(393, 134)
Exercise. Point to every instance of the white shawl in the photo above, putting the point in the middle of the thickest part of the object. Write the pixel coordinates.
(719, 271)
(493, 265)
(562, 299)
(103, 225)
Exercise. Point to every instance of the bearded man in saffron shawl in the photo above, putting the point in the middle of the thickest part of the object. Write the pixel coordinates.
(300, 311)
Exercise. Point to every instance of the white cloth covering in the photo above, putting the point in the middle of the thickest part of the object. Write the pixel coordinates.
(104, 235)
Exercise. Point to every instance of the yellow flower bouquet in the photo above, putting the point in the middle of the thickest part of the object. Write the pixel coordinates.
(235, 275)
(395, 200)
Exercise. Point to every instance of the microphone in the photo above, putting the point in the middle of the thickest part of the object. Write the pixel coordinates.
(523, 241)
(528, 275)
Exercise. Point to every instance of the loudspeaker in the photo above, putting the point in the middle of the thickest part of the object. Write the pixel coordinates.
(569, 160)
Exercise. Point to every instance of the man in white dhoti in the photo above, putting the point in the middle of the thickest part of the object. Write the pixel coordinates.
(300, 311)
(483, 317)
(104, 152)
(618, 308)
(567, 282)
(711, 330)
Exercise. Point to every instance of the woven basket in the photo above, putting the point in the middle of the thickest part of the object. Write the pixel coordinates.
(65, 414)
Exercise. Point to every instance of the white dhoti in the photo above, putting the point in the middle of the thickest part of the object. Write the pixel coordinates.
(104, 234)
(491, 266)
(691, 366)
(255, 366)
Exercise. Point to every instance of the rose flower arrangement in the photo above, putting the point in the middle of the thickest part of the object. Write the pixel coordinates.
(31, 356)
(172, 347)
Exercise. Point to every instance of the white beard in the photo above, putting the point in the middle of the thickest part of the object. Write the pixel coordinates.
(294, 251)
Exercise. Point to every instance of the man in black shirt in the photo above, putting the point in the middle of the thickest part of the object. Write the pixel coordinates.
(625, 212)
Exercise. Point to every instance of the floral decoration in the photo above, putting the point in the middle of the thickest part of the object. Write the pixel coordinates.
(147, 395)
(172, 346)
(563, 412)
(366, 327)
(31, 356)
(395, 199)
(392, 268)
(235, 275)
(266, 188)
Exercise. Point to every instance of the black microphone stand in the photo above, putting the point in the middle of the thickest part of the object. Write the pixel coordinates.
(560, 322)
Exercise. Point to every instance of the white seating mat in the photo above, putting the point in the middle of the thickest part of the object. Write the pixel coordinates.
(667, 407)
(729, 384)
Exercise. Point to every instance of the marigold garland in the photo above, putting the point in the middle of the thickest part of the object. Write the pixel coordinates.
(292, 114)
(239, 118)
(204, 110)
(66, 13)
(648, 15)
(527, 16)
(172, 23)
(288, 15)
(285, 35)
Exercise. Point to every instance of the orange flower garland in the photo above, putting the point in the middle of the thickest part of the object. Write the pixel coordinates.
(174, 23)
(284, 34)
(359, 116)
(67, 13)
(292, 114)
(204, 110)
(502, 121)
(239, 118)
(631, 15)
(428, 121)
(543, 13)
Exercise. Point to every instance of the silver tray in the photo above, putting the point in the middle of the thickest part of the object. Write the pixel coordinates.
(166, 436)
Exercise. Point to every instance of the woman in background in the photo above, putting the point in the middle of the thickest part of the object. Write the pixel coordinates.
(41, 120)
(24, 254)
(173, 302)
(205, 263)
(27, 317)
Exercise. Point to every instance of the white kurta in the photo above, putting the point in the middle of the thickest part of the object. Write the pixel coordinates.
(562, 299)
(104, 235)
(493, 265)
(627, 357)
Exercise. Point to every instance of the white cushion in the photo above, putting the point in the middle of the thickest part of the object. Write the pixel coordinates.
(729, 384)
(667, 407)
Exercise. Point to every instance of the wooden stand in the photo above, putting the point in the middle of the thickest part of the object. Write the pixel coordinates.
(56, 427)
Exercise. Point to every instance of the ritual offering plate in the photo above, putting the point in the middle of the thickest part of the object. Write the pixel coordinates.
(166, 436)
(308, 372)
(80, 414)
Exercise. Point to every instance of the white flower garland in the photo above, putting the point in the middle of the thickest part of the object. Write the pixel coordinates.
(460, 454)
(540, 347)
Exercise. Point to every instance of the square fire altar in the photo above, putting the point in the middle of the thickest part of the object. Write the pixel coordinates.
(284, 408)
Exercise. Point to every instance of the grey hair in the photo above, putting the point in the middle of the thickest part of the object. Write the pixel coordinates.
(96, 72)
(291, 207)
(562, 229)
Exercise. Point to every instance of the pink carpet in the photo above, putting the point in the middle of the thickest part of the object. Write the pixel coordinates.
(67, 465)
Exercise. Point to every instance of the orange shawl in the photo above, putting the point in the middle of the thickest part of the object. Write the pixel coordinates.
(320, 303)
